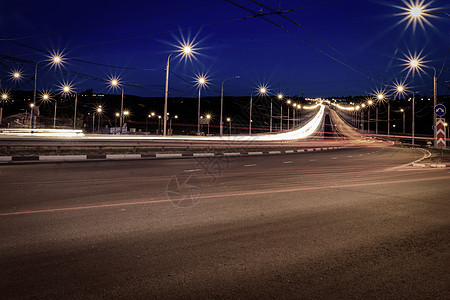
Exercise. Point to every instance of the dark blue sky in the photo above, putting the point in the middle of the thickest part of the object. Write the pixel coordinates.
(365, 36)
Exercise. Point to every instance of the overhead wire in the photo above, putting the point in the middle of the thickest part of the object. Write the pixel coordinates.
(318, 38)
(262, 16)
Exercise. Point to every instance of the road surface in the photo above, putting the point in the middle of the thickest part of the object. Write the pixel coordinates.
(351, 223)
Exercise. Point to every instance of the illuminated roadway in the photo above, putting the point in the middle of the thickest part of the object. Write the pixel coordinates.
(349, 223)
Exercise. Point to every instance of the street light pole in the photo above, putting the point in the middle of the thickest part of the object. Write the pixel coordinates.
(416, 63)
(221, 104)
(271, 105)
(434, 105)
(56, 60)
(389, 118)
(166, 94)
(187, 50)
(75, 111)
(54, 114)
(121, 112)
(250, 121)
(201, 82)
(413, 119)
(198, 110)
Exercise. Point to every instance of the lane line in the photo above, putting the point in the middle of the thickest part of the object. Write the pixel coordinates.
(250, 165)
(192, 170)
(249, 193)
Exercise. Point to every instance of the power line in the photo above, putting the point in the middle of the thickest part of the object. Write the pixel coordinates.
(318, 38)
(262, 16)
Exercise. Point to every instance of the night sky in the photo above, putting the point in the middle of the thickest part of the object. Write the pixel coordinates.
(292, 56)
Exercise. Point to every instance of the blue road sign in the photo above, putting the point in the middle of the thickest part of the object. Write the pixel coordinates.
(440, 110)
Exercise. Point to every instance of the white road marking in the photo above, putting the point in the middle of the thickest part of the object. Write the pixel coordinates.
(288, 162)
(251, 165)
(192, 170)
(334, 157)
(312, 159)
(350, 156)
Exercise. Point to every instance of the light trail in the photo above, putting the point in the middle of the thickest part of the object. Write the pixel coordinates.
(301, 133)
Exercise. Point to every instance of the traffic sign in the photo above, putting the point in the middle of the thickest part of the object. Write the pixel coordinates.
(440, 133)
(440, 110)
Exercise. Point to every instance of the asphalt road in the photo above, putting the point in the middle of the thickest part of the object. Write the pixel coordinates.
(351, 223)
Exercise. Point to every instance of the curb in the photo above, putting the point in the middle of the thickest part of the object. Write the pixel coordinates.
(431, 165)
(66, 158)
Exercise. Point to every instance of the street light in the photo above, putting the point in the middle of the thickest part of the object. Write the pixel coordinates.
(208, 118)
(280, 97)
(159, 124)
(221, 104)
(56, 59)
(150, 115)
(186, 50)
(15, 75)
(115, 121)
(416, 63)
(369, 103)
(115, 83)
(262, 90)
(65, 90)
(45, 97)
(99, 111)
(229, 123)
(170, 123)
(289, 101)
(201, 82)
(380, 98)
(416, 12)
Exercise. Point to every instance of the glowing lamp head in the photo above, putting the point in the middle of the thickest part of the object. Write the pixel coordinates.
(228, 119)
(400, 88)
(114, 82)
(4, 96)
(294, 105)
(445, 124)
(56, 59)
(152, 114)
(126, 113)
(16, 75)
(289, 101)
(380, 96)
(414, 63)
(45, 97)
(370, 102)
(280, 96)
(402, 110)
(208, 116)
(416, 11)
(117, 114)
(66, 89)
(31, 105)
(263, 90)
(176, 116)
(99, 109)
(363, 105)
(201, 80)
(187, 49)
